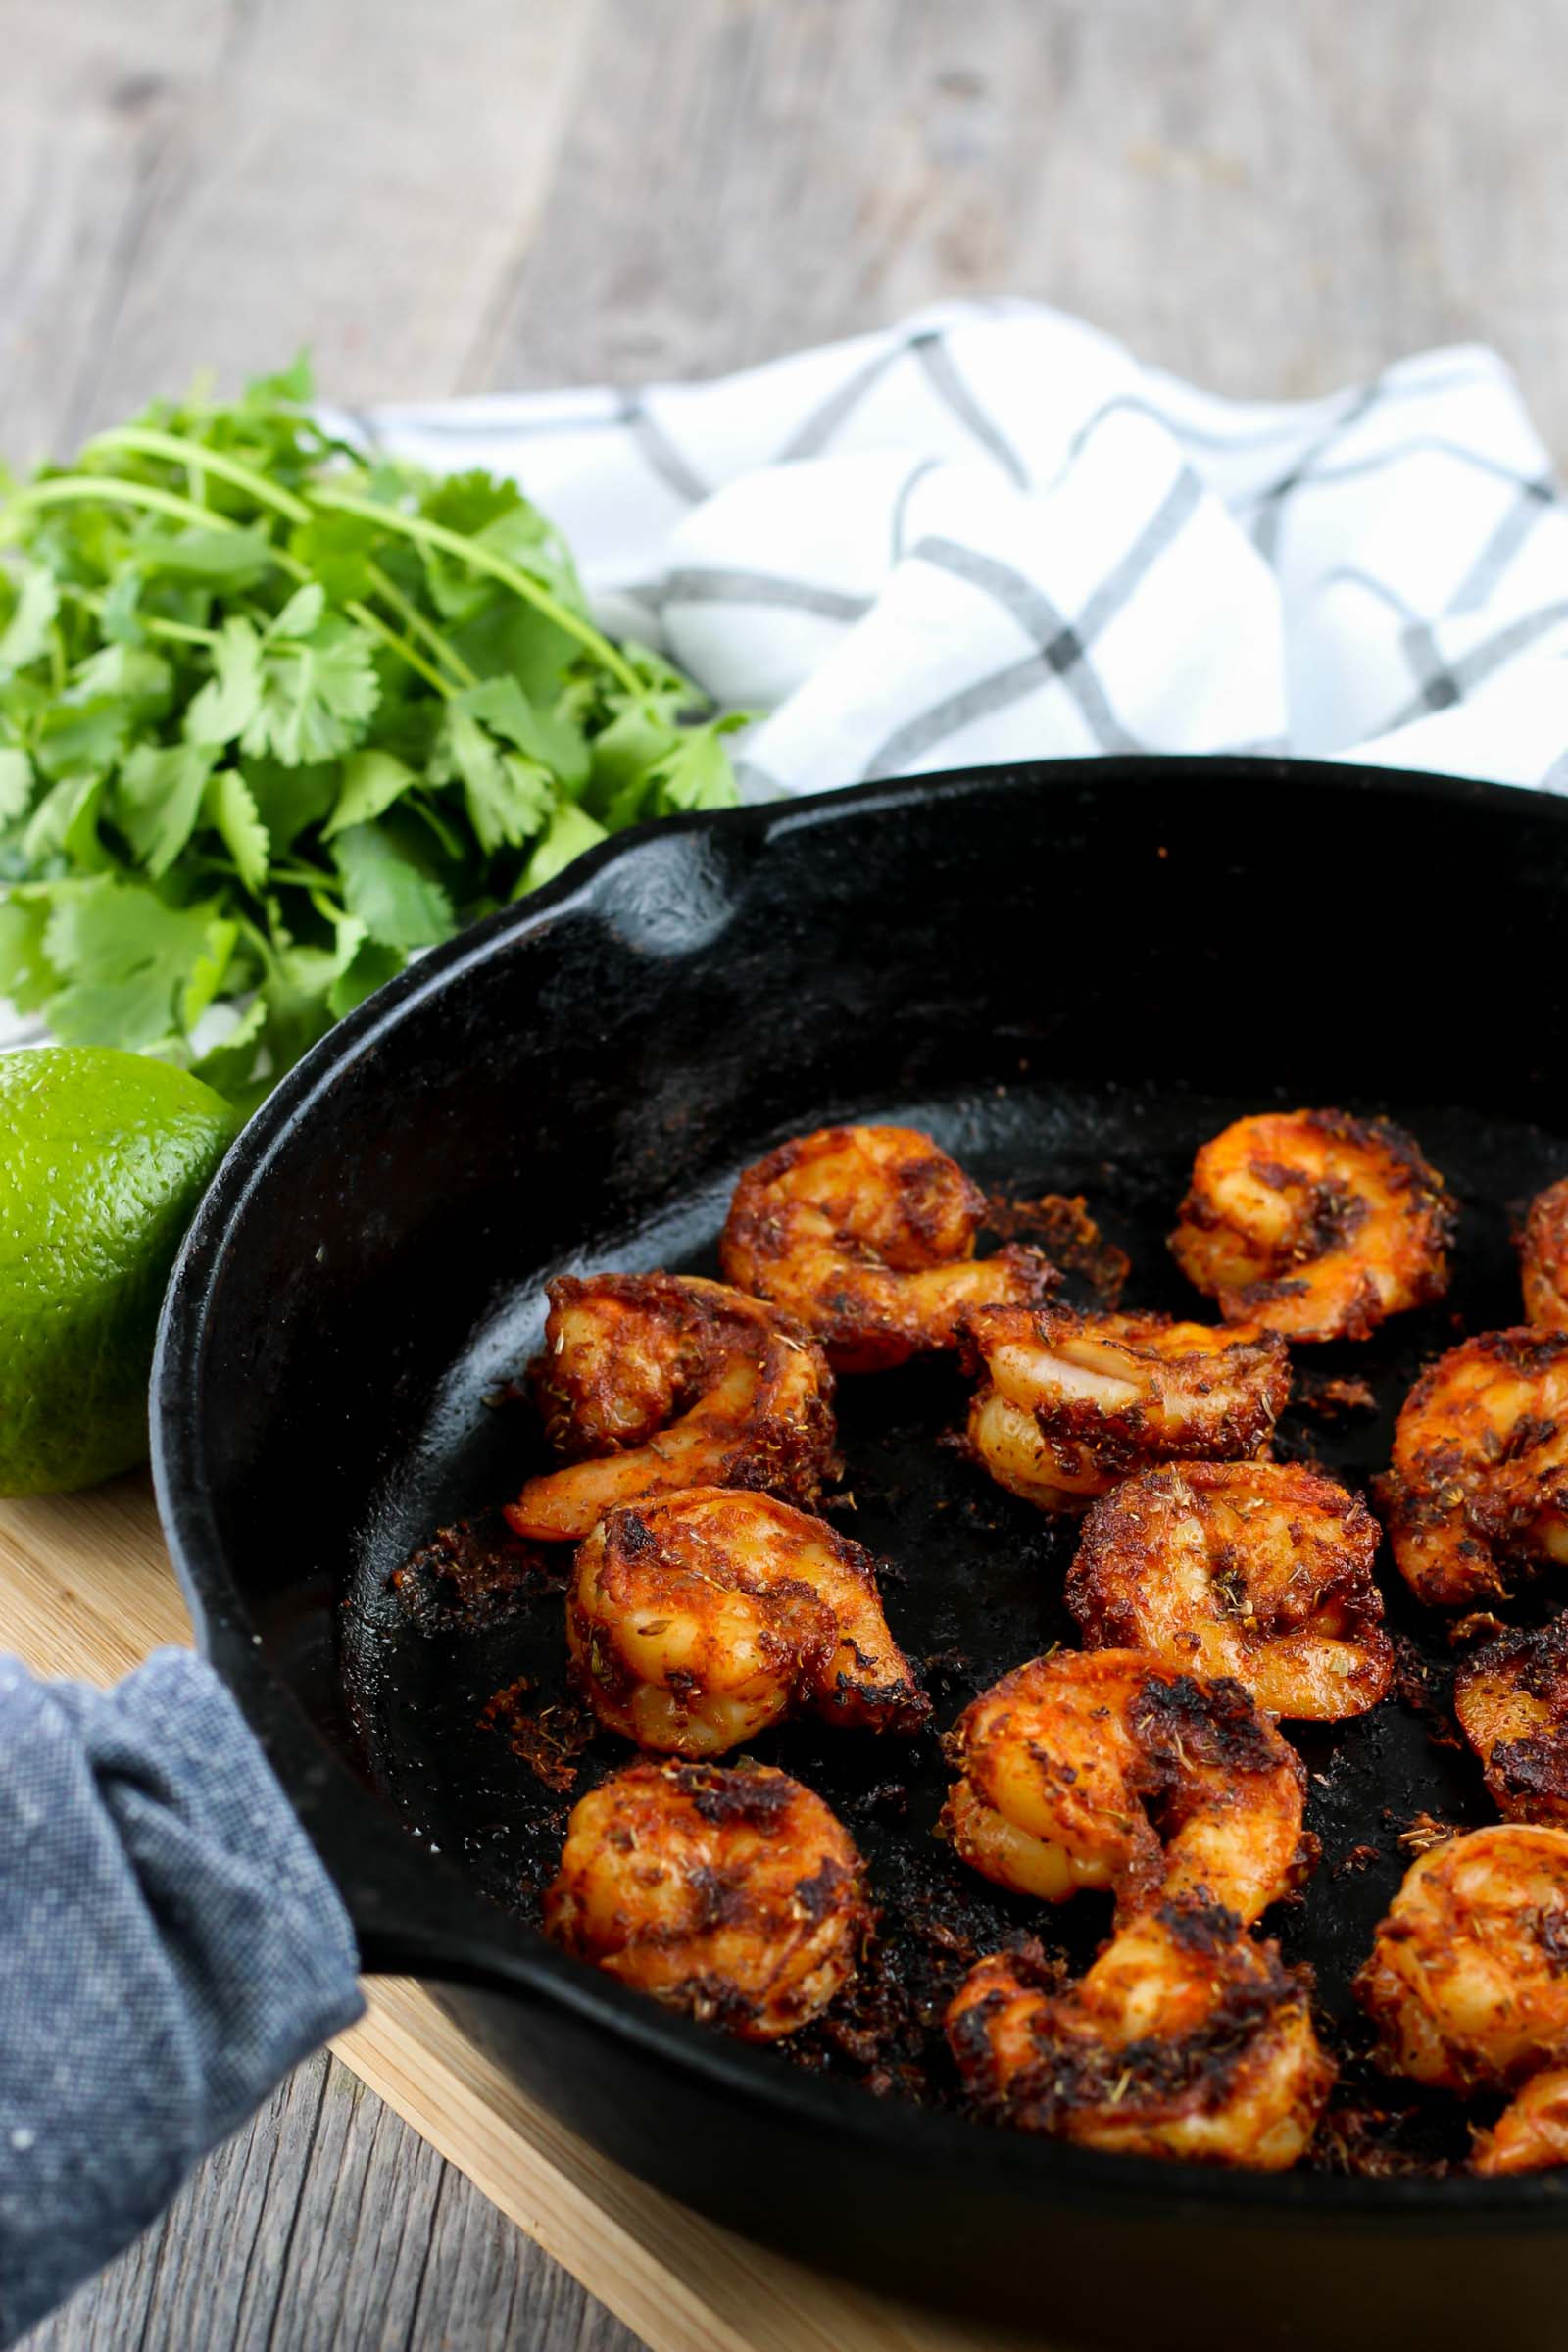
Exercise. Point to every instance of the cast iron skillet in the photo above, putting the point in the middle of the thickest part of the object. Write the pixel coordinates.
(1071, 973)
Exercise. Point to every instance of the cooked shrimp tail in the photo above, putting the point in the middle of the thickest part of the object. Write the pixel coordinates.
(1468, 1981)
(1260, 1570)
(651, 1381)
(1113, 1771)
(1543, 1259)
(1511, 1700)
(1315, 1224)
(1184, 2039)
(1532, 2132)
(1070, 1404)
(727, 1890)
(867, 1234)
(1478, 1485)
(696, 1619)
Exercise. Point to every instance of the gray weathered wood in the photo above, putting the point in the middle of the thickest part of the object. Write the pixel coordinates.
(329, 2226)
(1272, 200)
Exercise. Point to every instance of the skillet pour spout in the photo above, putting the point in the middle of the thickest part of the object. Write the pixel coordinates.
(1070, 973)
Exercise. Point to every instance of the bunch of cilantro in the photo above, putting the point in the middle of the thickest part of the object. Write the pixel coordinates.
(275, 713)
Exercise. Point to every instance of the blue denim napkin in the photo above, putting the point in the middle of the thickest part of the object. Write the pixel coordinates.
(170, 1947)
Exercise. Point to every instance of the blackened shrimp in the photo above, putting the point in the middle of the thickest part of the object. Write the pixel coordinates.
(1260, 1570)
(867, 1234)
(649, 1382)
(1543, 1259)
(1185, 2038)
(696, 1619)
(1532, 2132)
(1111, 1770)
(1468, 1981)
(1070, 1404)
(1478, 1485)
(727, 1890)
(1315, 1224)
(1511, 1700)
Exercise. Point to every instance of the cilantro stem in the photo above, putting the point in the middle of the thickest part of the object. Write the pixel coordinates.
(178, 451)
(483, 558)
(185, 631)
(175, 450)
(399, 645)
(260, 944)
(111, 490)
(413, 618)
(65, 488)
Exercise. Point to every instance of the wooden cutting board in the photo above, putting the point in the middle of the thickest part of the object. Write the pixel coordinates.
(86, 1591)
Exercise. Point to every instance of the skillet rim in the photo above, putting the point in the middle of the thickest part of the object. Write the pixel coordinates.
(414, 1912)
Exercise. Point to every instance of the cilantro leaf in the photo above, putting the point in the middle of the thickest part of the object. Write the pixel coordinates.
(231, 697)
(27, 976)
(15, 785)
(139, 677)
(508, 794)
(26, 635)
(336, 549)
(229, 1066)
(319, 689)
(295, 384)
(230, 806)
(626, 757)
(302, 613)
(697, 773)
(469, 503)
(371, 782)
(503, 707)
(77, 738)
(122, 955)
(290, 799)
(65, 825)
(399, 905)
(367, 970)
(209, 971)
(572, 831)
(121, 615)
(158, 800)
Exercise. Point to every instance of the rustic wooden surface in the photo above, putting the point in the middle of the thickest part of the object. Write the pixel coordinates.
(531, 191)
(329, 2226)
(537, 191)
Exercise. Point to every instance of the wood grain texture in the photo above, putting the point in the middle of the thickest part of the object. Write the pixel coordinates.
(1272, 200)
(328, 2226)
(209, 183)
(536, 192)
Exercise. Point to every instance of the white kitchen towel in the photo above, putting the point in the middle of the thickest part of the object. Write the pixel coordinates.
(989, 534)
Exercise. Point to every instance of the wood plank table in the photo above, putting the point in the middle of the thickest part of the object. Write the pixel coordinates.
(540, 192)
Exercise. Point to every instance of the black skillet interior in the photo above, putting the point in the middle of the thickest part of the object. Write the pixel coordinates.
(457, 1681)
(1070, 975)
